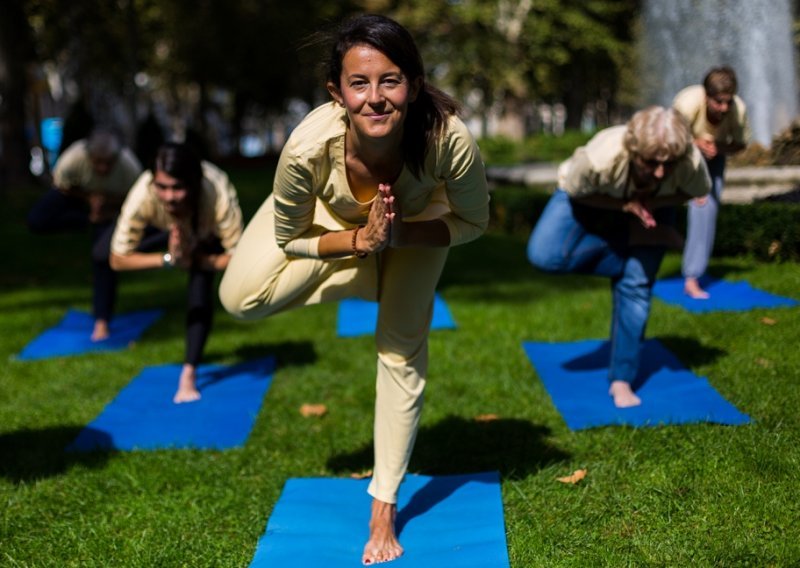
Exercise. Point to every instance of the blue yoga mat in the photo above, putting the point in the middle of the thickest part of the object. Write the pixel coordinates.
(442, 522)
(72, 335)
(143, 416)
(576, 376)
(359, 317)
(724, 296)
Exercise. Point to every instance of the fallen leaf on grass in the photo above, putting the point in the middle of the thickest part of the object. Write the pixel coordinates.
(361, 475)
(774, 248)
(576, 476)
(308, 410)
(768, 321)
(763, 362)
(486, 417)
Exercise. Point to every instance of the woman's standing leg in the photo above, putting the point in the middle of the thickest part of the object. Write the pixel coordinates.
(701, 230)
(199, 318)
(408, 282)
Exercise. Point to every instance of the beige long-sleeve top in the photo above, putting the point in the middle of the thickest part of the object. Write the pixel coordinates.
(219, 214)
(603, 166)
(311, 173)
(734, 127)
(74, 169)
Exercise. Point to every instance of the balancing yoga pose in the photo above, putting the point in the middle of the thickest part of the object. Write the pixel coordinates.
(90, 181)
(370, 192)
(610, 216)
(189, 208)
(718, 119)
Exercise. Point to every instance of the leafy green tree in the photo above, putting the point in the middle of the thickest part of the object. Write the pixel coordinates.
(248, 47)
(513, 52)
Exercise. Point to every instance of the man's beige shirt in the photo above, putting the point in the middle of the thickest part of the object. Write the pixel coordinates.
(74, 170)
(734, 128)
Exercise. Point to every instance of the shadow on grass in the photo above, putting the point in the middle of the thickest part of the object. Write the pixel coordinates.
(28, 455)
(286, 353)
(493, 257)
(436, 490)
(500, 259)
(516, 448)
(690, 351)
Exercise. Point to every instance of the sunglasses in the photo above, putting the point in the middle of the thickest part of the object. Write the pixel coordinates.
(653, 164)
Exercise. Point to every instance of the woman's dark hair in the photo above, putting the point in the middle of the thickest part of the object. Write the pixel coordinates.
(428, 114)
(180, 162)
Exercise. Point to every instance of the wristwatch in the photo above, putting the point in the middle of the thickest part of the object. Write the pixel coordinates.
(167, 261)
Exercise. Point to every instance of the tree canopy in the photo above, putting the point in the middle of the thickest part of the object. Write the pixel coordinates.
(501, 54)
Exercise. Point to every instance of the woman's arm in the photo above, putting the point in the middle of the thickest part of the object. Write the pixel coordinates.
(467, 192)
(136, 261)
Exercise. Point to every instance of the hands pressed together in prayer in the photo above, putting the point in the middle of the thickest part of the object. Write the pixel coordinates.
(181, 246)
(384, 225)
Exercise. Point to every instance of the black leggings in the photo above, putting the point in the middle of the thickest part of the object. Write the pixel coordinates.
(200, 292)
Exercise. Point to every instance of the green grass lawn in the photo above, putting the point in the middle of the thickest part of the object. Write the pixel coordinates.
(697, 495)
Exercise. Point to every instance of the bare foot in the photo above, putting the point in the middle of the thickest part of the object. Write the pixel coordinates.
(382, 545)
(623, 395)
(691, 287)
(100, 331)
(187, 387)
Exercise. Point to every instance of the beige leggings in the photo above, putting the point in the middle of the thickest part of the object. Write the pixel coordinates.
(260, 280)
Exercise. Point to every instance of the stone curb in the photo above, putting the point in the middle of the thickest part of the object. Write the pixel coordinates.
(742, 185)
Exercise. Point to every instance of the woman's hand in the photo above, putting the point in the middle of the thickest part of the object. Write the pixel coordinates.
(638, 209)
(376, 234)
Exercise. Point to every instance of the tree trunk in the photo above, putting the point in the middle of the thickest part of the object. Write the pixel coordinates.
(16, 51)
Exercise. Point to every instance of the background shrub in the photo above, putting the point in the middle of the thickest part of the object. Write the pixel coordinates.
(764, 230)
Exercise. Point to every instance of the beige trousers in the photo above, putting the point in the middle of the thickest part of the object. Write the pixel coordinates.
(261, 280)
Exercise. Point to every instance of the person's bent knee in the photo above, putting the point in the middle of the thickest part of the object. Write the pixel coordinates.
(240, 305)
(233, 303)
(545, 256)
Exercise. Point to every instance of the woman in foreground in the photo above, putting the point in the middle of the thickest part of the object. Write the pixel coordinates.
(371, 190)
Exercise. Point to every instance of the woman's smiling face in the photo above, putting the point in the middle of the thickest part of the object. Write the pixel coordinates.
(374, 91)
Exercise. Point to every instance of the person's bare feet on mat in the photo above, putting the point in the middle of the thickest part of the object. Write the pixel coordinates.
(623, 395)
(382, 545)
(691, 288)
(187, 386)
(100, 331)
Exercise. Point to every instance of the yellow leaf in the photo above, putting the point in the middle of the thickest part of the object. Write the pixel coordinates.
(576, 476)
(361, 474)
(486, 417)
(308, 410)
